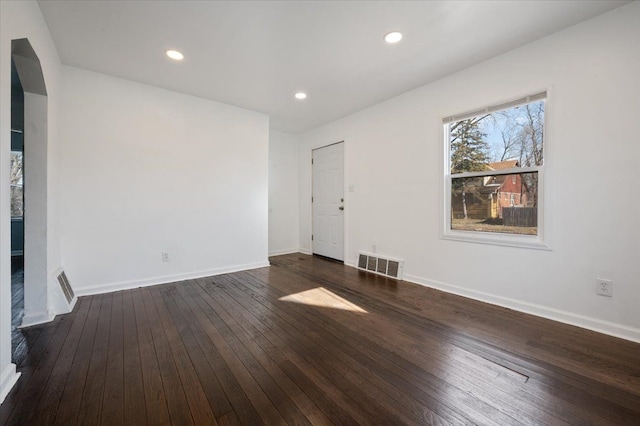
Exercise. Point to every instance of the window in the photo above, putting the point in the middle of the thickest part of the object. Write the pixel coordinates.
(494, 173)
(16, 181)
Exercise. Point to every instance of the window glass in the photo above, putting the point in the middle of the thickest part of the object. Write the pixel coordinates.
(16, 180)
(495, 204)
(496, 157)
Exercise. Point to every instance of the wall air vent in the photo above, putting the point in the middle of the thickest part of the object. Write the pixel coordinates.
(381, 265)
(66, 287)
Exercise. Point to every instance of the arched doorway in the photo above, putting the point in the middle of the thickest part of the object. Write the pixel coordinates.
(34, 136)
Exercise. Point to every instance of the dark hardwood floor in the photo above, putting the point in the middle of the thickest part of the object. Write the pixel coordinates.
(18, 341)
(309, 341)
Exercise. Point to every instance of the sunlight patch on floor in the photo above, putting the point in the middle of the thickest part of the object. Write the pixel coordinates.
(324, 298)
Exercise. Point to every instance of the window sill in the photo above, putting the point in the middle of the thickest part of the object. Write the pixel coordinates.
(518, 241)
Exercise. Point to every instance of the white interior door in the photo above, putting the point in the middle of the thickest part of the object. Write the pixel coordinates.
(328, 201)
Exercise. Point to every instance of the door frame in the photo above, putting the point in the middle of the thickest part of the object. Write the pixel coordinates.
(345, 215)
(35, 151)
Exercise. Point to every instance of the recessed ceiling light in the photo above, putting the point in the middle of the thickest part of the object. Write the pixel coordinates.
(393, 37)
(175, 55)
(300, 95)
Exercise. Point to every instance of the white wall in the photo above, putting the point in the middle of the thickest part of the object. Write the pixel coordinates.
(145, 171)
(394, 165)
(22, 20)
(283, 193)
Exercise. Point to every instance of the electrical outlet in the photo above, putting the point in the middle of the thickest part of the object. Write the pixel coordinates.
(604, 287)
(165, 256)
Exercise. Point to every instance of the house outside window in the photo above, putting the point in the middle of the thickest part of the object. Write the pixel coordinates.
(494, 173)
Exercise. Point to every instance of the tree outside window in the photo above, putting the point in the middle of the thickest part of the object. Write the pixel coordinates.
(16, 181)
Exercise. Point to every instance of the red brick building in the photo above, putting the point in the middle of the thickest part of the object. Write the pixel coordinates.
(504, 190)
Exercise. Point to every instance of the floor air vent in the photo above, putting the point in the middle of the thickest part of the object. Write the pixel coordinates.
(66, 287)
(382, 265)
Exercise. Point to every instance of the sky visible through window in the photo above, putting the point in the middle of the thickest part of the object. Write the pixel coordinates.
(505, 130)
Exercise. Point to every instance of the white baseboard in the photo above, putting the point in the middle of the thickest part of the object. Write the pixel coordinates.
(282, 252)
(304, 251)
(600, 326)
(8, 378)
(37, 318)
(127, 285)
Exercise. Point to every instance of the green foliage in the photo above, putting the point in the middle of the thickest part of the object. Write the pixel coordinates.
(469, 150)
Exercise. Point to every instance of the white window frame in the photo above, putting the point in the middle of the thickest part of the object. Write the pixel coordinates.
(539, 241)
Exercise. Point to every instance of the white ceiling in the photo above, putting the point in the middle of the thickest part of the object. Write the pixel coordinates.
(256, 55)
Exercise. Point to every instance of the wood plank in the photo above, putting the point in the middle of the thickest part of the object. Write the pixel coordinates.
(241, 405)
(538, 371)
(229, 419)
(183, 317)
(302, 357)
(51, 345)
(157, 411)
(71, 397)
(270, 373)
(198, 404)
(113, 397)
(174, 392)
(47, 407)
(378, 331)
(91, 405)
(134, 399)
(257, 397)
(335, 363)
